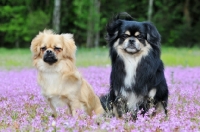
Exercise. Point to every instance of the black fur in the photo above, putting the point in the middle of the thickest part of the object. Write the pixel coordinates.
(149, 72)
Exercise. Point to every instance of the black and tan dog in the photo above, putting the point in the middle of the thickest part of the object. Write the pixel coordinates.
(137, 78)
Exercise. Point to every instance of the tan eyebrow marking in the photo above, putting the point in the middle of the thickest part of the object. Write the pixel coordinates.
(128, 33)
(137, 33)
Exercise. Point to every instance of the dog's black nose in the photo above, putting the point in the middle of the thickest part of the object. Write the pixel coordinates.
(49, 52)
(131, 40)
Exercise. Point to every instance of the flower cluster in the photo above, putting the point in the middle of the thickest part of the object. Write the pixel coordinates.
(23, 108)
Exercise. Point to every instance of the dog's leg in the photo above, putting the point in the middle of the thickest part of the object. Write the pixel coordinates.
(53, 108)
(65, 99)
(96, 105)
(74, 106)
(161, 106)
(107, 101)
(120, 106)
(69, 111)
(164, 104)
(108, 105)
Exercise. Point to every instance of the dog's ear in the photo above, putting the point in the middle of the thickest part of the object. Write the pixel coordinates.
(114, 24)
(153, 36)
(69, 47)
(35, 45)
(112, 30)
(36, 42)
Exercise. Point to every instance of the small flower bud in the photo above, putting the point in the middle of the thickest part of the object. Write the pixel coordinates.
(53, 123)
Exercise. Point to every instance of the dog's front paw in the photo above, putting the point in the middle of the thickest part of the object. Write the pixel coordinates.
(120, 106)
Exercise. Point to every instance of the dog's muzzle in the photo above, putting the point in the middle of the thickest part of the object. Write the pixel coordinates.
(132, 46)
(49, 57)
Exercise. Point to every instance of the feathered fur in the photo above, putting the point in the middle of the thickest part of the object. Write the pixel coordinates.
(60, 81)
(137, 78)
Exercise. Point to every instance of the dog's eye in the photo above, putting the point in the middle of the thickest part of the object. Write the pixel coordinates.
(43, 48)
(140, 36)
(124, 36)
(57, 49)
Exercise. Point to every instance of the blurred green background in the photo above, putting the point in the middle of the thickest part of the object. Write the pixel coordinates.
(20, 20)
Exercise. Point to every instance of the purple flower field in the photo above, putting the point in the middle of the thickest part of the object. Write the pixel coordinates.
(22, 107)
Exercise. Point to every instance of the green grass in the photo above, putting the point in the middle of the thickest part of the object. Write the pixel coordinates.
(92, 57)
(12, 58)
(20, 58)
(181, 56)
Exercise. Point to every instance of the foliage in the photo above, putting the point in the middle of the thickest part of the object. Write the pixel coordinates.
(34, 25)
(81, 21)
(20, 24)
(13, 18)
(177, 21)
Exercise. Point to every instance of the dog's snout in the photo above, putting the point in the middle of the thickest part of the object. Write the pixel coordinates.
(131, 40)
(49, 57)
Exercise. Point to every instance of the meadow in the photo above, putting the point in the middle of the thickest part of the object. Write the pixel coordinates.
(20, 58)
(22, 107)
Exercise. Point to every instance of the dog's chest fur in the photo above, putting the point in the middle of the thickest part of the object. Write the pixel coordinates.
(55, 88)
(51, 83)
(131, 63)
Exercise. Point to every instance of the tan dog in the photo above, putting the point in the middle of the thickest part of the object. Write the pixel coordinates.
(61, 83)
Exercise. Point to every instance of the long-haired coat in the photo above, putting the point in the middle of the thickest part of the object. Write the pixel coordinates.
(137, 79)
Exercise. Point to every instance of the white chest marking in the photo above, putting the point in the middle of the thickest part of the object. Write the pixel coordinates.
(131, 64)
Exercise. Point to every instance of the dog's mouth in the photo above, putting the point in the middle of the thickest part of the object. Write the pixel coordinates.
(131, 49)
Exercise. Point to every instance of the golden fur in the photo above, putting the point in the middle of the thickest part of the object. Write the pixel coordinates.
(61, 83)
